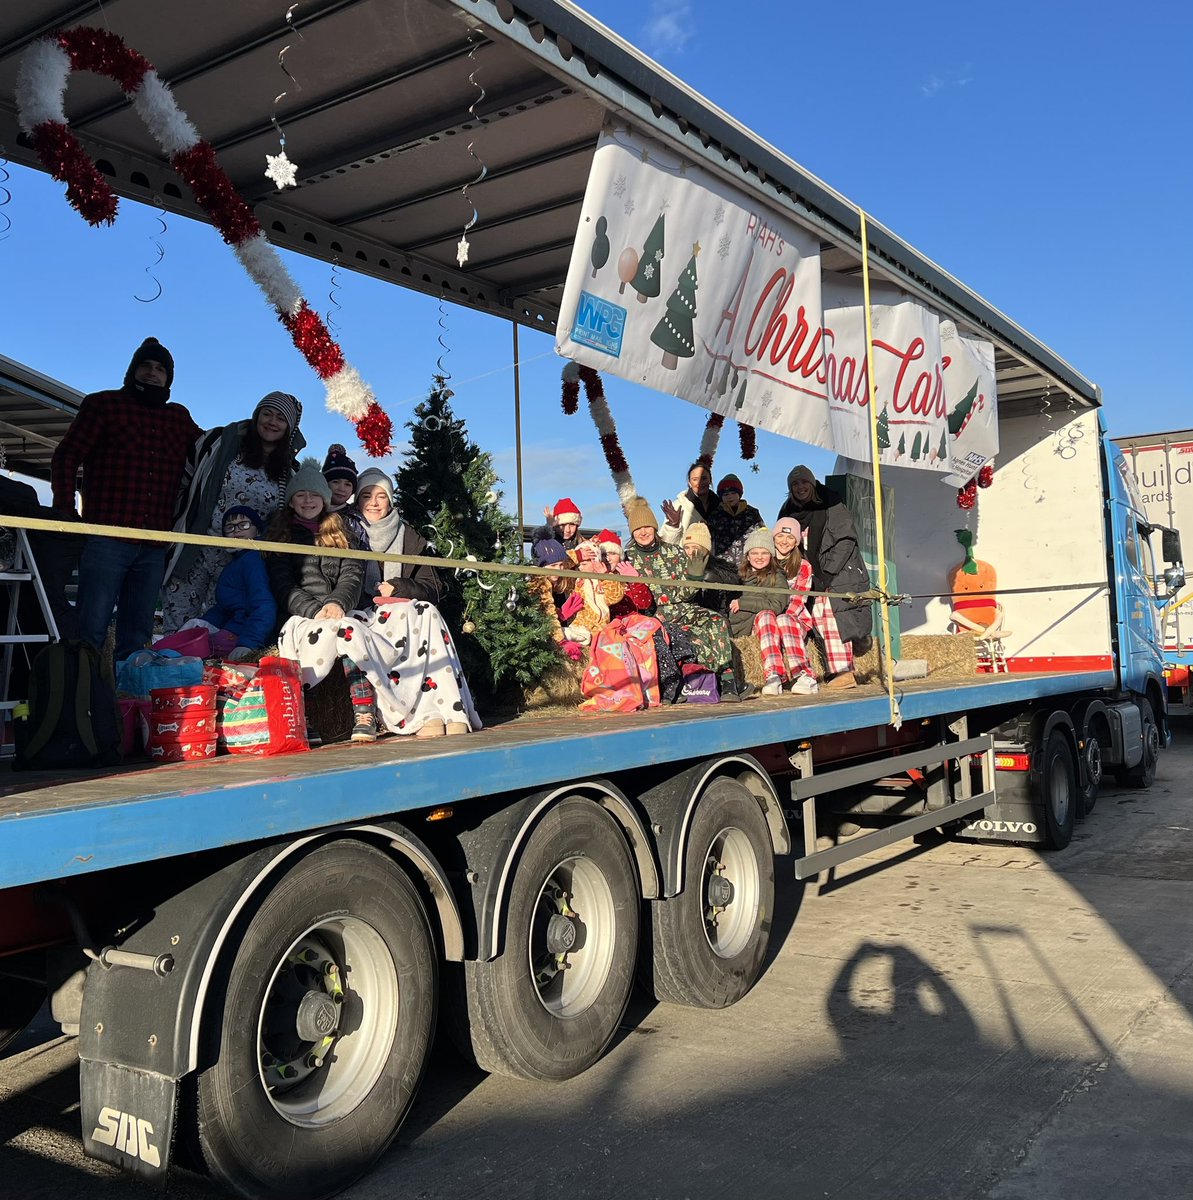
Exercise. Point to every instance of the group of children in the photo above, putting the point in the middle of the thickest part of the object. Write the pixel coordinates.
(698, 623)
(375, 620)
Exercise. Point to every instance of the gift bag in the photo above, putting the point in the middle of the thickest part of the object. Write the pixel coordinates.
(268, 717)
(140, 673)
(700, 687)
(229, 679)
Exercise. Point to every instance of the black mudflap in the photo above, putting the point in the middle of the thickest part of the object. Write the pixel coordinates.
(128, 1118)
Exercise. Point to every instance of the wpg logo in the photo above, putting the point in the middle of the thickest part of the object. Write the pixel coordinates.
(599, 323)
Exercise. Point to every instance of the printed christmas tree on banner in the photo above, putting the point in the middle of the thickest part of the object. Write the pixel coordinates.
(646, 281)
(942, 451)
(901, 449)
(449, 491)
(673, 334)
(600, 246)
(915, 447)
(960, 415)
(884, 429)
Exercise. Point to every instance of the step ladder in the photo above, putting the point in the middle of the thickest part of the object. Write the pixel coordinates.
(22, 571)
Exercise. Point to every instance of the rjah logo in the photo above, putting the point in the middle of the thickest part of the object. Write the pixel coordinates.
(128, 1134)
(986, 826)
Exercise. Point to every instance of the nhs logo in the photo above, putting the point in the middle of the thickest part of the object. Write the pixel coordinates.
(599, 323)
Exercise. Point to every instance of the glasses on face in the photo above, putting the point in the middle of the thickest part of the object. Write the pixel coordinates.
(238, 526)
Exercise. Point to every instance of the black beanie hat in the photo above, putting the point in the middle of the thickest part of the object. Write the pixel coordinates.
(151, 348)
(337, 465)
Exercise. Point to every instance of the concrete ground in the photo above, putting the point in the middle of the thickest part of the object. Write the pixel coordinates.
(960, 1021)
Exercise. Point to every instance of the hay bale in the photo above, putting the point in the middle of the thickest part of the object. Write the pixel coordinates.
(865, 666)
(329, 707)
(949, 655)
(559, 684)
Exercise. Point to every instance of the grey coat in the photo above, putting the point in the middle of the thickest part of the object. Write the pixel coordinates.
(302, 584)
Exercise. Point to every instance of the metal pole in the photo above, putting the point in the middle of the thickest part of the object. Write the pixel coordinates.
(518, 441)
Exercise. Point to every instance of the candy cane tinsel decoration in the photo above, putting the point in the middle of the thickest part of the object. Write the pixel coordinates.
(42, 76)
(594, 389)
(710, 440)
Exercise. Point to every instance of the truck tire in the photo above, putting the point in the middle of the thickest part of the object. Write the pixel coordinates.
(708, 942)
(1143, 774)
(1093, 774)
(550, 1003)
(1056, 791)
(327, 1018)
(20, 1001)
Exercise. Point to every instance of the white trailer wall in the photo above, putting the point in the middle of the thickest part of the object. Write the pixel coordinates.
(1040, 525)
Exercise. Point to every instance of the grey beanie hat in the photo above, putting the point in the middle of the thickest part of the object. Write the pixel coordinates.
(375, 477)
(308, 478)
(759, 539)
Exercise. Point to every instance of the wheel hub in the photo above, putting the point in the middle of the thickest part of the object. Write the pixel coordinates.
(720, 891)
(318, 1016)
(561, 934)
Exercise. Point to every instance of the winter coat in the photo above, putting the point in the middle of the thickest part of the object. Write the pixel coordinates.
(202, 479)
(832, 548)
(728, 529)
(244, 603)
(691, 510)
(409, 582)
(303, 584)
(719, 570)
(750, 604)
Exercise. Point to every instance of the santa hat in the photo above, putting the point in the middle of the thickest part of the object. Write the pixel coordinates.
(608, 540)
(566, 512)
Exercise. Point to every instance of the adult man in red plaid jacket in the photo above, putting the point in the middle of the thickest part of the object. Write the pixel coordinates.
(132, 445)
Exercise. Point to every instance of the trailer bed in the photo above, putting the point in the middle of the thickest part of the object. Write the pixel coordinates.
(80, 822)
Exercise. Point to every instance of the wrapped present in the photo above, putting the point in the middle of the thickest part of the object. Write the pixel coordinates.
(229, 678)
(183, 751)
(178, 701)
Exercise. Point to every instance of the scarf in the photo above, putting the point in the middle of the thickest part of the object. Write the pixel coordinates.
(704, 505)
(311, 526)
(387, 535)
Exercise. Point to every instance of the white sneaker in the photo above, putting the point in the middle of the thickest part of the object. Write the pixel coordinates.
(805, 685)
(773, 686)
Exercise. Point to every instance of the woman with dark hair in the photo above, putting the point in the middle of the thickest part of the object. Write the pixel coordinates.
(696, 504)
(247, 463)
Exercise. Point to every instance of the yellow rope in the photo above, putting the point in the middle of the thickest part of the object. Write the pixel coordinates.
(879, 532)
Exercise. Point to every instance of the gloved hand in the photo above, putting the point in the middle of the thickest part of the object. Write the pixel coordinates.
(697, 563)
(241, 654)
(199, 623)
(570, 607)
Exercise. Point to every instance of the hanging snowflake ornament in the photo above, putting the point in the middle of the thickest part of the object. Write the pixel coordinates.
(281, 171)
(42, 75)
(462, 251)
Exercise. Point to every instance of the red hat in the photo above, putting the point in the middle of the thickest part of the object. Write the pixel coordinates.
(730, 483)
(608, 540)
(566, 512)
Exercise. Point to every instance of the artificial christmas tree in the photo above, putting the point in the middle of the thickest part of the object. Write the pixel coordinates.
(673, 334)
(646, 280)
(448, 489)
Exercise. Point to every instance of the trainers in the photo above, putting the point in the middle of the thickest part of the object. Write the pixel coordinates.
(805, 685)
(773, 686)
(844, 680)
(365, 729)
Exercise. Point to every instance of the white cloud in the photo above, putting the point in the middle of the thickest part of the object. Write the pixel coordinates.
(958, 77)
(668, 28)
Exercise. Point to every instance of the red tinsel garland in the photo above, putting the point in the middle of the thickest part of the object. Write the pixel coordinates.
(216, 194)
(104, 53)
(571, 396)
(749, 441)
(314, 343)
(967, 496)
(594, 389)
(63, 156)
(376, 431)
(986, 476)
(613, 452)
(715, 421)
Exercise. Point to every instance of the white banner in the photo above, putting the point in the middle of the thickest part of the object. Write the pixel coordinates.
(971, 395)
(682, 283)
(912, 426)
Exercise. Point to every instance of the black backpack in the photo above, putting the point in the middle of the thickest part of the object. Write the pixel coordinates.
(74, 720)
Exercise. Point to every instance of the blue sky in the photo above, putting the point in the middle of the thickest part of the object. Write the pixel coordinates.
(1039, 153)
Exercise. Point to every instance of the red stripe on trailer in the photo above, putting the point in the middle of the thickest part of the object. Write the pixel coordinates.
(1024, 665)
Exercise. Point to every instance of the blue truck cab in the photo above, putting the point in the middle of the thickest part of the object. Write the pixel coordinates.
(1139, 646)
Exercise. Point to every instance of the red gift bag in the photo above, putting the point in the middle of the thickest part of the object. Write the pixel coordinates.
(269, 717)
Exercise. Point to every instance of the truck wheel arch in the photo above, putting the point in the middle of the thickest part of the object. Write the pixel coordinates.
(493, 905)
(672, 806)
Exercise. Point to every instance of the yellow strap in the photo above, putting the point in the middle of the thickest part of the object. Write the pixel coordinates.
(879, 532)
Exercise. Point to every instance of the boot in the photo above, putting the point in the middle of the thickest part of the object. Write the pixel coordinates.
(844, 680)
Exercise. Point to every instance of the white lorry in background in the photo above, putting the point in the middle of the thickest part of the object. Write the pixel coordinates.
(1163, 466)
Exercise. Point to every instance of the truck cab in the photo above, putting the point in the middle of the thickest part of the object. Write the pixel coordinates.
(1137, 599)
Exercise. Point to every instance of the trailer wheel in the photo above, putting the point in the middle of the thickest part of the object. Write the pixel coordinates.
(550, 1003)
(20, 1000)
(709, 941)
(1143, 774)
(328, 1013)
(1057, 791)
(1092, 761)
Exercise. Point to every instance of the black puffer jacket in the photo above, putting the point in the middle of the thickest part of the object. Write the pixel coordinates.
(836, 558)
(303, 584)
